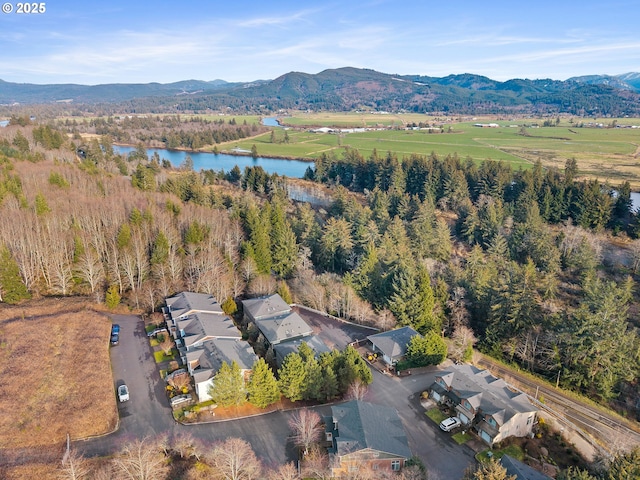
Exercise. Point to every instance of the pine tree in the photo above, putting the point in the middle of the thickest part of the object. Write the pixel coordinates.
(284, 249)
(292, 377)
(429, 349)
(12, 289)
(228, 386)
(263, 387)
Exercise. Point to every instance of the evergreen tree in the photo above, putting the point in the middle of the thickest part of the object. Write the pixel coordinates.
(412, 301)
(293, 377)
(429, 349)
(625, 466)
(41, 205)
(228, 386)
(12, 288)
(283, 242)
(112, 297)
(262, 387)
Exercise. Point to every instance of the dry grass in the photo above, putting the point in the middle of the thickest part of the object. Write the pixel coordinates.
(31, 471)
(55, 373)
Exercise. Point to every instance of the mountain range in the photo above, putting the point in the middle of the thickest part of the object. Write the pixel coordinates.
(353, 88)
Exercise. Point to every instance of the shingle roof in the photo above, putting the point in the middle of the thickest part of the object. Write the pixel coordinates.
(285, 348)
(202, 326)
(214, 352)
(366, 425)
(486, 392)
(268, 306)
(522, 471)
(186, 302)
(280, 328)
(394, 342)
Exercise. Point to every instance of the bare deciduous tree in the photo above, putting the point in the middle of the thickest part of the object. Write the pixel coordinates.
(235, 460)
(141, 460)
(306, 428)
(462, 338)
(357, 390)
(316, 465)
(284, 472)
(74, 467)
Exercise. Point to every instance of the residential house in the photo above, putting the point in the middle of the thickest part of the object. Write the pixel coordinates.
(521, 471)
(365, 435)
(205, 361)
(283, 349)
(392, 344)
(205, 337)
(275, 319)
(484, 403)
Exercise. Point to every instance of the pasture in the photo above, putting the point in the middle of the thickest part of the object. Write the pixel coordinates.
(609, 154)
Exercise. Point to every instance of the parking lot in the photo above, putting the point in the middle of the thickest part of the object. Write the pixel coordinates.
(148, 414)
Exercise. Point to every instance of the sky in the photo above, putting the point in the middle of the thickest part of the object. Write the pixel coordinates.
(130, 41)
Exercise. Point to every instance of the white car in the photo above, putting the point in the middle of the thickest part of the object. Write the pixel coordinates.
(123, 393)
(449, 424)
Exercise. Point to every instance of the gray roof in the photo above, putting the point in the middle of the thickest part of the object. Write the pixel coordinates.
(285, 348)
(522, 471)
(187, 302)
(214, 352)
(282, 328)
(364, 425)
(487, 393)
(394, 342)
(268, 306)
(199, 327)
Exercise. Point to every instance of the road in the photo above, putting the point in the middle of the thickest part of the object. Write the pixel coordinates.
(603, 430)
(148, 414)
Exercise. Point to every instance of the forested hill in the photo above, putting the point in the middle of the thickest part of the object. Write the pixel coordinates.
(351, 88)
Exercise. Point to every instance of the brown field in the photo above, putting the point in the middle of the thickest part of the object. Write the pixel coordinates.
(55, 373)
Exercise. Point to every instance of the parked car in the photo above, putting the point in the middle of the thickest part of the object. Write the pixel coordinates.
(450, 423)
(115, 339)
(123, 393)
(178, 399)
(115, 328)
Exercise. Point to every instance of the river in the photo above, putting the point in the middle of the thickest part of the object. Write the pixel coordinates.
(222, 161)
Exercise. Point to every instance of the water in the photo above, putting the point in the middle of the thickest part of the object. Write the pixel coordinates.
(4, 123)
(270, 122)
(635, 201)
(222, 161)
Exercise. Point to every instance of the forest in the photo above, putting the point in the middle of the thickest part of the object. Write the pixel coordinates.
(535, 267)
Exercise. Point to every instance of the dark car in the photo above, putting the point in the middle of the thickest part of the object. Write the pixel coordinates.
(115, 339)
(115, 329)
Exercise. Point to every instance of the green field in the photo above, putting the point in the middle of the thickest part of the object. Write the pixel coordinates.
(611, 154)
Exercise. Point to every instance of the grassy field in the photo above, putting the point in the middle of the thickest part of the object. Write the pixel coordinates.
(610, 154)
(55, 373)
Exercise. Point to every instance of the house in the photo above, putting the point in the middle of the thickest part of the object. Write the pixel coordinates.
(205, 361)
(283, 349)
(392, 344)
(366, 435)
(484, 403)
(205, 337)
(521, 471)
(275, 319)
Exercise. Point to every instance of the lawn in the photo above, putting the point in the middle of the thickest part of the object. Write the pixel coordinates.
(461, 438)
(436, 415)
(512, 450)
(611, 154)
(55, 373)
(160, 357)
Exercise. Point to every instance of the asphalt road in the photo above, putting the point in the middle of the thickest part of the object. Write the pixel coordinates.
(148, 414)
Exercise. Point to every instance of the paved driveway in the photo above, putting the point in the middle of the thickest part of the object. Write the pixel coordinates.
(443, 457)
(148, 414)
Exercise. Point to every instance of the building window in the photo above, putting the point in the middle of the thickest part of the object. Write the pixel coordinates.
(395, 465)
(529, 420)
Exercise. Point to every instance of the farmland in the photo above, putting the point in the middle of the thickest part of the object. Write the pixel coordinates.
(610, 154)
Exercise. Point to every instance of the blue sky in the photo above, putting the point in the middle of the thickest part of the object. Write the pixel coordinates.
(131, 41)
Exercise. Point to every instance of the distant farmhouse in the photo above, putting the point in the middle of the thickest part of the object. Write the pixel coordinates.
(281, 328)
(206, 337)
(363, 433)
(484, 403)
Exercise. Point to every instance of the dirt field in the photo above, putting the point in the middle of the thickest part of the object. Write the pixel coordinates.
(55, 373)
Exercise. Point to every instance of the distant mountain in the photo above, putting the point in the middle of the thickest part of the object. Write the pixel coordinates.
(350, 88)
(626, 81)
(114, 92)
